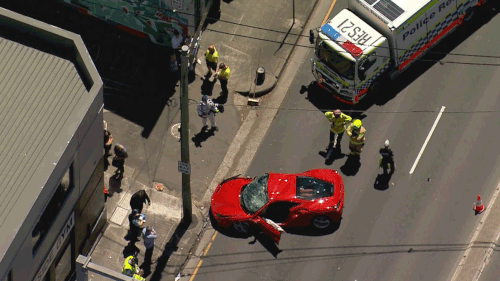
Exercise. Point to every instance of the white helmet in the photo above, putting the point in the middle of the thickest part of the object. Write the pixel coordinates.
(386, 143)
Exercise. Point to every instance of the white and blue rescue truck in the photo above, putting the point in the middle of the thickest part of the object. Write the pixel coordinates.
(373, 40)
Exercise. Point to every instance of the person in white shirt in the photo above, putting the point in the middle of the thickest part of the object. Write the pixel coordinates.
(176, 40)
(207, 108)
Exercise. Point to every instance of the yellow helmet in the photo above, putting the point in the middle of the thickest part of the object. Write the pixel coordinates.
(356, 124)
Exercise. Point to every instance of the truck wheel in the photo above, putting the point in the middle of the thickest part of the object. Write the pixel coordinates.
(469, 14)
(375, 87)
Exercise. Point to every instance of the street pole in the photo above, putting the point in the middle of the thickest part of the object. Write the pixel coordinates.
(187, 208)
(293, 6)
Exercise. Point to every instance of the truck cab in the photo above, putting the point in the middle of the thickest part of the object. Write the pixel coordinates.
(349, 55)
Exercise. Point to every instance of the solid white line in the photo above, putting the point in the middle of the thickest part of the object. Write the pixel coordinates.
(427, 139)
(488, 253)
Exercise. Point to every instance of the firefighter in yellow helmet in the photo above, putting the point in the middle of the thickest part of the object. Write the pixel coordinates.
(356, 134)
(338, 122)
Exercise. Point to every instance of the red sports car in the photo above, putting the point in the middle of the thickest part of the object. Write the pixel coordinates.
(273, 201)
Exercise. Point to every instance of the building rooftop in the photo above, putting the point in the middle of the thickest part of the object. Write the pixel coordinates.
(47, 83)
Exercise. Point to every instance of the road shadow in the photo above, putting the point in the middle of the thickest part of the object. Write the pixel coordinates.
(130, 250)
(114, 185)
(207, 86)
(324, 100)
(351, 165)
(382, 181)
(170, 248)
(202, 136)
(335, 155)
(143, 112)
(268, 243)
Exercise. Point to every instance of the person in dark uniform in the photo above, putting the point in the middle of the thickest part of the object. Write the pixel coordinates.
(387, 158)
(138, 199)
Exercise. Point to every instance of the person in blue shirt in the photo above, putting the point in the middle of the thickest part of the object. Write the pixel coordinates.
(149, 236)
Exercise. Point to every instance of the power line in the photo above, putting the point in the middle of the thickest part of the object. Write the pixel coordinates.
(295, 34)
(311, 47)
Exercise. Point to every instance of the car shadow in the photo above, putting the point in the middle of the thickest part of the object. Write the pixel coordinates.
(311, 231)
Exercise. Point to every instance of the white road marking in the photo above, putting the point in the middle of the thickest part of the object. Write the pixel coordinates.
(427, 139)
(491, 247)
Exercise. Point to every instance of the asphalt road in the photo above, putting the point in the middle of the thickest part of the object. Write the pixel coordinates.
(418, 227)
(492, 270)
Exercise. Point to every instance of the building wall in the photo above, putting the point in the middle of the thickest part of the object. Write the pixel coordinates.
(85, 200)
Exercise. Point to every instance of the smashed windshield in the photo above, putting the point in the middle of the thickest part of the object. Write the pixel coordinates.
(310, 188)
(254, 195)
(340, 64)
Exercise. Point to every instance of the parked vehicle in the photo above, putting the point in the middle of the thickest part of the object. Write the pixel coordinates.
(273, 201)
(376, 40)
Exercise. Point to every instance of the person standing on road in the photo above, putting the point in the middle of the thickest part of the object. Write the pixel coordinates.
(338, 122)
(138, 199)
(207, 109)
(211, 58)
(149, 236)
(223, 74)
(387, 158)
(119, 159)
(356, 133)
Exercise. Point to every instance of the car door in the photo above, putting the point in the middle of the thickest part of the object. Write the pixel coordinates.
(270, 228)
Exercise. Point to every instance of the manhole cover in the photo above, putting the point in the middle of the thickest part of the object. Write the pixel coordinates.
(176, 130)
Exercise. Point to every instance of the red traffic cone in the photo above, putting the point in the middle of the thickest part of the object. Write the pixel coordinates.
(479, 206)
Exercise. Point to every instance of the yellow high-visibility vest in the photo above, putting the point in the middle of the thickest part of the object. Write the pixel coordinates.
(212, 57)
(337, 124)
(356, 138)
(224, 73)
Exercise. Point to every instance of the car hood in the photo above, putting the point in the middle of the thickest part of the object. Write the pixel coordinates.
(226, 198)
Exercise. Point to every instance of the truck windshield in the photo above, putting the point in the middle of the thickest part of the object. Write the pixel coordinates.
(335, 61)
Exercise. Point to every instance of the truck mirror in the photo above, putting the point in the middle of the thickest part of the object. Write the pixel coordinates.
(311, 36)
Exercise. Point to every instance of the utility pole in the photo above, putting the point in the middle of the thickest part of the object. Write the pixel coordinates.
(184, 165)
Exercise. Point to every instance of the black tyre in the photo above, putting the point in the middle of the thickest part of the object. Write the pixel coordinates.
(242, 227)
(321, 222)
(469, 14)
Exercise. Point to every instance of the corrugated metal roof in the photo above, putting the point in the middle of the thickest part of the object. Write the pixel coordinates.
(38, 92)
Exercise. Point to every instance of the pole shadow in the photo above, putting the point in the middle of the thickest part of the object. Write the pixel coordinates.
(170, 248)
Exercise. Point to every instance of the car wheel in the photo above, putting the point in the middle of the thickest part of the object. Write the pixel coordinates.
(242, 227)
(321, 222)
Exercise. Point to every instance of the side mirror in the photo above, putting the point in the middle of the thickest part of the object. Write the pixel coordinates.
(311, 36)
